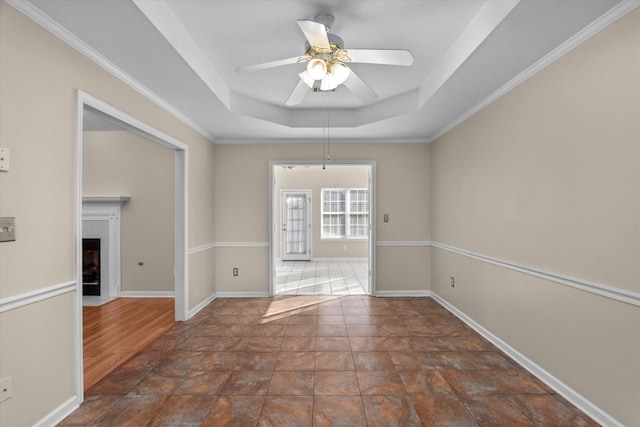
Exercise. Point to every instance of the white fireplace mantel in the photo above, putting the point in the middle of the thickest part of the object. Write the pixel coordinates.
(119, 200)
(106, 208)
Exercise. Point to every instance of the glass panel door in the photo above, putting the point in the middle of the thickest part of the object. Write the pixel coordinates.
(296, 225)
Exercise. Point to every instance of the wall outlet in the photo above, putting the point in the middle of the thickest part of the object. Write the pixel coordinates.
(235, 271)
(453, 282)
(6, 390)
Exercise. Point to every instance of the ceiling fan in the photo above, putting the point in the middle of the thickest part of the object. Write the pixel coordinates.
(327, 60)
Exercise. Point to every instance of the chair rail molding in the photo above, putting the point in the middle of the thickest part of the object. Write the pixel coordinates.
(20, 300)
(621, 295)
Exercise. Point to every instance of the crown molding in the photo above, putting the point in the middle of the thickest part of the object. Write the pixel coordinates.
(580, 37)
(69, 38)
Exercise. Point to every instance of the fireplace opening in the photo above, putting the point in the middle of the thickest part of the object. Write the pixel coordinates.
(90, 266)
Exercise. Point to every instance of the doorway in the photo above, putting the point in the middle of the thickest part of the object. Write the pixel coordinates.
(296, 225)
(88, 105)
(321, 235)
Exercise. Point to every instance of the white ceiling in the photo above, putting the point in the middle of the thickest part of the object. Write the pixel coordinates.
(184, 54)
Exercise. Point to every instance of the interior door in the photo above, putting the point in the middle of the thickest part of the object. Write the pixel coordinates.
(296, 225)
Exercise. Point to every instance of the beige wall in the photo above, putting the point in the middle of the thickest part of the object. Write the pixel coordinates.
(548, 177)
(39, 79)
(314, 178)
(241, 209)
(126, 164)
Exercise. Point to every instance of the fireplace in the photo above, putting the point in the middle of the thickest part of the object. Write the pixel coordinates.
(101, 247)
(91, 267)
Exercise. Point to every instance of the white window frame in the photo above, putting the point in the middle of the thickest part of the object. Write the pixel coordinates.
(347, 214)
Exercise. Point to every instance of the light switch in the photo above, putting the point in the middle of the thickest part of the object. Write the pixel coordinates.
(4, 159)
(386, 217)
(7, 229)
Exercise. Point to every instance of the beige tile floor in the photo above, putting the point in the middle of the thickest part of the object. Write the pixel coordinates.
(323, 361)
(321, 278)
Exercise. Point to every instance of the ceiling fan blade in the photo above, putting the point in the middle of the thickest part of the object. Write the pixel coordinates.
(360, 88)
(271, 64)
(380, 56)
(298, 94)
(315, 33)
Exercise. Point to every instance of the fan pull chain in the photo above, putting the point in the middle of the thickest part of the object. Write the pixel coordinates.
(328, 127)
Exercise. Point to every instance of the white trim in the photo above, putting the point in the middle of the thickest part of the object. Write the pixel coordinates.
(617, 294)
(167, 23)
(563, 389)
(242, 245)
(106, 199)
(181, 224)
(347, 213)
(195, 310)
(69, 38)
(16, 301)
(60, 413)
(181, 186)
(586, 33)
(353, 259)
(490, 15)
(256, 294)
(107, 209)
(201, 248)
(371, 164)
(403, 293)
(147, 294)
(403, 243)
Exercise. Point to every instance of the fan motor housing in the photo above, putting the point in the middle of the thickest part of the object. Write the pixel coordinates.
(333, 40)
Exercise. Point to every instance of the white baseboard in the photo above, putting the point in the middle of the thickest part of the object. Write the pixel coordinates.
(195, 310)
(147, 294)
(563, 389)
(403, 293)
(242, 294)
(60, 413)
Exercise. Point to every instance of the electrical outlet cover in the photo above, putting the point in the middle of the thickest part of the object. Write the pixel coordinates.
(4, 159)
(5, 389)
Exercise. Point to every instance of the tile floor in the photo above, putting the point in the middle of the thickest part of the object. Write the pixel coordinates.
(323, 361)
(321, 278)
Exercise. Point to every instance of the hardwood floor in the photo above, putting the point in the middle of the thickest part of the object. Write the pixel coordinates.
(116, 331)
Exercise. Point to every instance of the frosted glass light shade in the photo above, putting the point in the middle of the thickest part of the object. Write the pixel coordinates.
(317, 69)
(328, 83)
(340, 72)
(306, 78)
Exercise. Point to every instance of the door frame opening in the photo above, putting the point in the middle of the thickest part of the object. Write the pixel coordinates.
(275, 228)
(86, 102)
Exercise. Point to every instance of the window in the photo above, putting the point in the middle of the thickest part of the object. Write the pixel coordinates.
(345, 213)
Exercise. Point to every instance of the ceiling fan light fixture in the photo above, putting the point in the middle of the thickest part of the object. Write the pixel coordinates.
(328, 83)
(339, 72)
(317, 68)
(306, 78)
